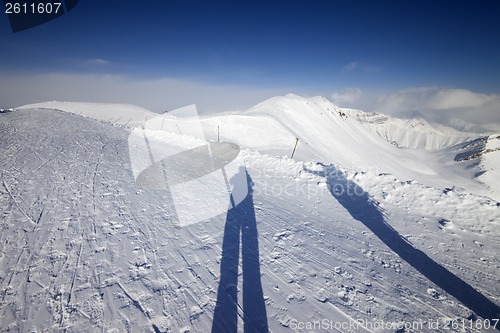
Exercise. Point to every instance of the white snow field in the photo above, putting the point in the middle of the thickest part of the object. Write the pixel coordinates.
(354, 234)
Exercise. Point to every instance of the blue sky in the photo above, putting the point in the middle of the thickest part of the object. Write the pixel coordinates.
(356, 52)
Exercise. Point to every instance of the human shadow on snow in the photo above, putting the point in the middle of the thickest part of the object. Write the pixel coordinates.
(240, 222)
(358, 203)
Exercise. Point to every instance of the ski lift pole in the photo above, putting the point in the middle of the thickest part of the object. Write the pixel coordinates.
(296, 142)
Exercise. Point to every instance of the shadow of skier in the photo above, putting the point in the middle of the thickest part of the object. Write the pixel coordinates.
(358, 203)
(240, 221)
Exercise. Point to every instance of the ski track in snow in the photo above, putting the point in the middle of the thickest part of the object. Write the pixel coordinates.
(83, 250)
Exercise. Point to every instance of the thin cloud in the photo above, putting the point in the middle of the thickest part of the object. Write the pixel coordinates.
(442, 104)
(432, 98)
(346, 97)
(373, 69)
(366, 68)
(351, 66)
(98, 61)
(458, 98)
(155, 95)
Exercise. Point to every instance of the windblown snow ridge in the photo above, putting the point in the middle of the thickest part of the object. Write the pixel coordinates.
(351, 138)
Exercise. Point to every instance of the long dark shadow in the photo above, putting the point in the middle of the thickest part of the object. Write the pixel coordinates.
(240, 221)
(362, 208)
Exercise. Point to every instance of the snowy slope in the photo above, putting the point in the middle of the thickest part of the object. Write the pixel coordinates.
(351, 138)
(371, 234)
(476, 159)
(120, 114)
(330, 134)
(490, 162)
(411, 133)
(326, 133)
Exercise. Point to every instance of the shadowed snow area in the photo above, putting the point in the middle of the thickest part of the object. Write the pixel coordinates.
(241, 224)
(353, 235)
(359, 204)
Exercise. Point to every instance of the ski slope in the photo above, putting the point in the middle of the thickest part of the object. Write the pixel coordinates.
(352, 235)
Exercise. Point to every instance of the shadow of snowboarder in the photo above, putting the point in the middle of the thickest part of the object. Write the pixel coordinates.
(240, 221)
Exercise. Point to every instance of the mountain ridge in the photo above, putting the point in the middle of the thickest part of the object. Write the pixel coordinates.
(409, 149)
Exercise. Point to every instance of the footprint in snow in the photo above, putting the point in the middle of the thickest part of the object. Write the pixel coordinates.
(284, 235)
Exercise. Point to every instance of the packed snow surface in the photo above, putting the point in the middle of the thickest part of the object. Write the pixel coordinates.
(354, 234)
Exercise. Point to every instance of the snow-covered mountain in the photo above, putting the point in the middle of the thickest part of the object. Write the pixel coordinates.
(354, 234)
(411, 133)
